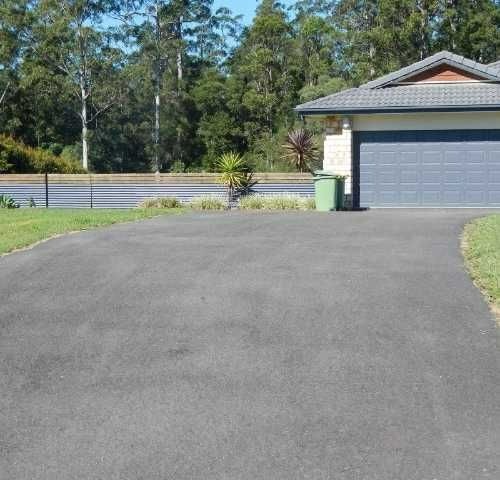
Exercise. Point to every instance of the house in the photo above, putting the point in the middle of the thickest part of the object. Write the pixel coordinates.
(427, 135)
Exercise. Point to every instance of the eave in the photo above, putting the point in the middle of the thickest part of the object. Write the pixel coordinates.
(376, 110)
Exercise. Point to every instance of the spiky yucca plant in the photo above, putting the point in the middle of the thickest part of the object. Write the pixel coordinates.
(300, 149)
(235, 173)
(7, 201)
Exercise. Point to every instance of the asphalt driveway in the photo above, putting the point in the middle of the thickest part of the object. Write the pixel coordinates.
(250, 347)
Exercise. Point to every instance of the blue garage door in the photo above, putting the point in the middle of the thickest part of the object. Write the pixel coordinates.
(445, 168)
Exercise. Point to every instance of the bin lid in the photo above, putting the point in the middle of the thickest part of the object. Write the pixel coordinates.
(324, 173)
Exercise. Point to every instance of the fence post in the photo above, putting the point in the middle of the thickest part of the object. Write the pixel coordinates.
(46, 190)
(91, 192)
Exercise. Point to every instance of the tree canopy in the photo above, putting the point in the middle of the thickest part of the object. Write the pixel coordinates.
(171, 85)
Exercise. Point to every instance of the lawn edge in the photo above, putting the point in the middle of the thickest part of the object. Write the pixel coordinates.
(72, 232)
(464, 246)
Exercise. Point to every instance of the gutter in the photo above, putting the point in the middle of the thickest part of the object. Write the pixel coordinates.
(374, 110)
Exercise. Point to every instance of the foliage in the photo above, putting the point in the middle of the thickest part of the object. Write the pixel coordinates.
(8, 202)
(208, 202)
(219, 87)
(287, 201)
(234, 173)
(160, 202)
(15, 157)
(25, 226)
(482, 254)
(300, 149)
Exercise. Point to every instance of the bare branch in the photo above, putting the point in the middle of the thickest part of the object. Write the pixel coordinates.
(102, 110)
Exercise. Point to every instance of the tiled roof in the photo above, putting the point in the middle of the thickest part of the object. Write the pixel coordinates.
(419, 97)
(385, 94)
(495, 65)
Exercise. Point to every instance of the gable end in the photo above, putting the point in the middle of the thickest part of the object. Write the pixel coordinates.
(443, 73)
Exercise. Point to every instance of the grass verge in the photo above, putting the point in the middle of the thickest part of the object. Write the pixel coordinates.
(22, 227)
(481, 247)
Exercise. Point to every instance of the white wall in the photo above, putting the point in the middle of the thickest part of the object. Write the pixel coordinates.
(426, 121)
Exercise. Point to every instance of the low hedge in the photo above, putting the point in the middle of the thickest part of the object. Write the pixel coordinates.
(160, 202)
(15, 157)
(208, 202)
(282, 201)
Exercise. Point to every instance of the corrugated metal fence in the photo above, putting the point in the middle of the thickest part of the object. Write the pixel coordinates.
(127, 190)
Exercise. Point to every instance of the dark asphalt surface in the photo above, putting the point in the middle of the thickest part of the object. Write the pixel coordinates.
(305, 346)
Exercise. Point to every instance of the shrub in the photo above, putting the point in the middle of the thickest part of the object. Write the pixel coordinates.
(208, 202)
(300, 149)
(252, 202)
(15, 157)
(8, 202)
(235, 174)
(285, 201)
(309, 203)
(160, 202)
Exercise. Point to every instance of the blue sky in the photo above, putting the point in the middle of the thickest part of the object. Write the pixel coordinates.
(243, 7)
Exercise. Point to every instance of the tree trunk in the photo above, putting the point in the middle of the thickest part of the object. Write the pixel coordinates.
(179, 66)
(371, 53)
(158, 83)
(424, 22)
(157, 124)
(180, 70)
(85, 141)
(85, 148)
(4, 93)
(453, 26)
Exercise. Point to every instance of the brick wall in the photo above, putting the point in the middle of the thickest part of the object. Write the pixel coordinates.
(338, 149)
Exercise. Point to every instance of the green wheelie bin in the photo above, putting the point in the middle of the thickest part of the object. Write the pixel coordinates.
(339, 192)
(325, 191)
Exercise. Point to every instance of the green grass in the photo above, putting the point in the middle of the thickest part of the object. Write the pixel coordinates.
(481, 244)
(24, 226)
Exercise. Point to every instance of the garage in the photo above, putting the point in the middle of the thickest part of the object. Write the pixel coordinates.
(428, 168)
(427, 135)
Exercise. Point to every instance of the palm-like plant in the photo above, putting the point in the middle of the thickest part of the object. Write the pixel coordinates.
(8, 202)
(300, 149)
(235, 173)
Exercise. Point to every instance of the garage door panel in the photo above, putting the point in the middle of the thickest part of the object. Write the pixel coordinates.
(494, 176)
(388, 197)
(453, 177)
(476, 157)
(475, 177)
(452, 196)
(431, 158)
(408, 176)
(429, 168)
(367, 197)
(494, 197)
(431, 197)
(430, 176)
(408, 158)
(475, 197)
(410, 197)
(494, 157)
(388, 176)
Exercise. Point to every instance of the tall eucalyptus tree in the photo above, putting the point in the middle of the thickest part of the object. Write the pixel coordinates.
(71, 40)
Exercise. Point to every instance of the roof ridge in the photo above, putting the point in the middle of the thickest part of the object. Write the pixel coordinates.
(440, 57)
